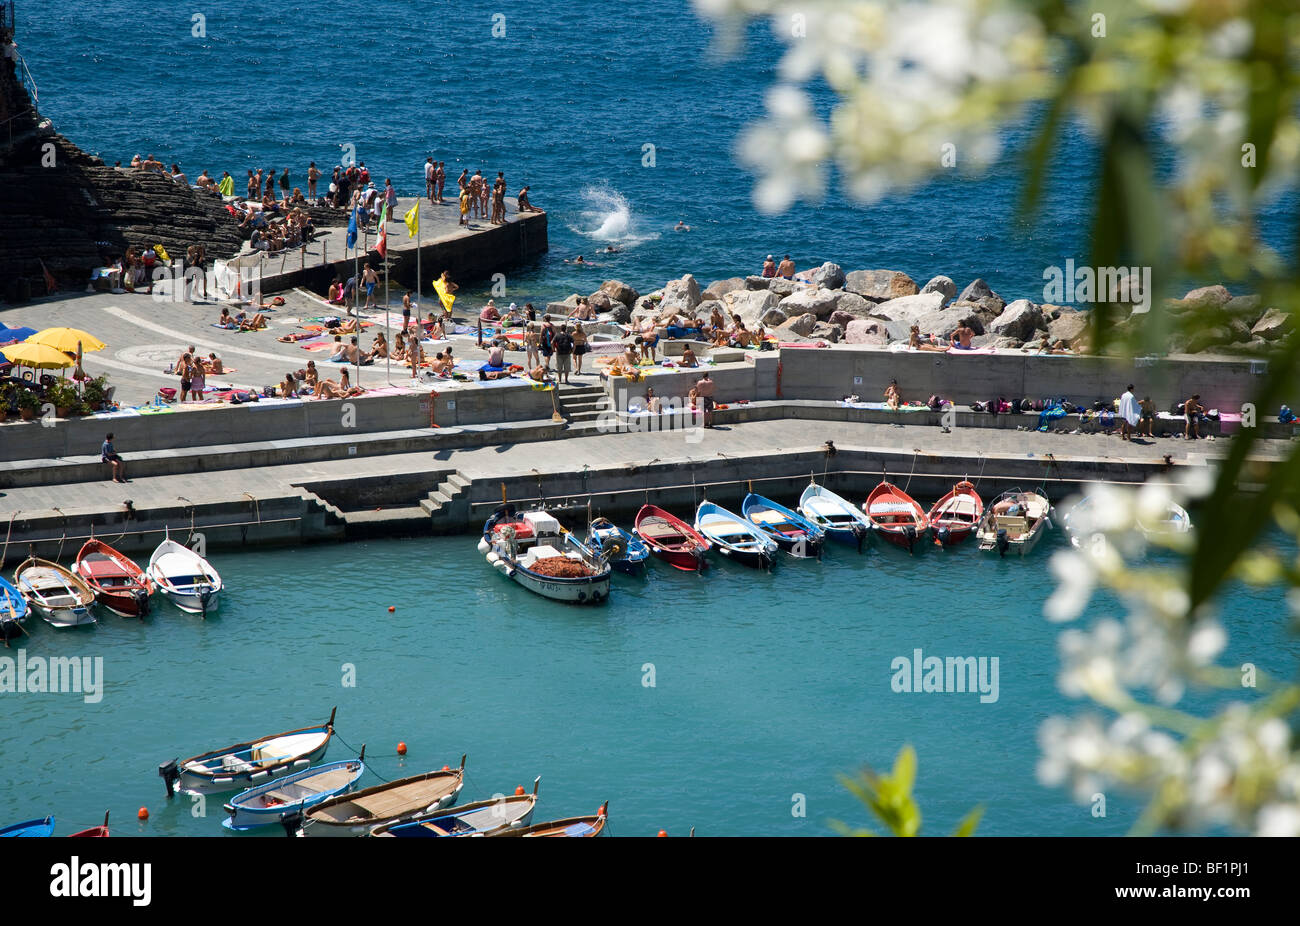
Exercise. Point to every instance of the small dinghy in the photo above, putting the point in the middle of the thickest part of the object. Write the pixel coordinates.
(955, 516)
(185, 577)
(44, 827)
(1071, 523)
(538, 554)
(1014, 522)
(1176, 520)
(626, 553)
(570, 826)
(292, 794)
(245, 765)
(118, 583)
(99, 832)
(792, 531)
(13, 611)
(836, 516)
(896, 516)
(54, 593)
(477, 819)
(671, 539)
(734, 537)
(359, 812)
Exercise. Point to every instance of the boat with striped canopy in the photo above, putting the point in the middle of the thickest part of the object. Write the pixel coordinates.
(734, 537)
(838, 517)
(359, 812)
(792, 532)
(476, 819)
(58, 596)
(118, 583)
(896, 516)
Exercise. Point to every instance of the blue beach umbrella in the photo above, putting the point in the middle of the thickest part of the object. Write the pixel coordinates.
(9, 335)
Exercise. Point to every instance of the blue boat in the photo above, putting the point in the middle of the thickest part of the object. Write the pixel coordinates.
(13, 611)
(734, 537)
(292, 794)
(628, 553)
(477, 819)
(792, 531)
(43, 827)
(837, 517)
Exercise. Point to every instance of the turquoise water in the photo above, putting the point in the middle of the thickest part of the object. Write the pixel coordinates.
(766, 686)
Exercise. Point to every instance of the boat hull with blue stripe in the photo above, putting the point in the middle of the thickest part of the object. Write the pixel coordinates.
(628, 553)
(477, 819)
(734, 537)
(41, 827)
(792, 532)
(838, 517)
(294, 793)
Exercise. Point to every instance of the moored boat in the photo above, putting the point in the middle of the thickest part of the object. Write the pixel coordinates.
(534, 551)
(41, 827)
(896, 516)
(1074, 519)
(59, 597)
(292, 794)
(100, 832)
(238, 767)
(671, 539)
(590, 826)
(187, 579)
(476, 819)
(118, 583)
(627, 553)
(792, 532)
(1174, 520)
(1014, 522)
(359, 812)
(954, 517)
(734, 537)
(835, 515)
(13, 611)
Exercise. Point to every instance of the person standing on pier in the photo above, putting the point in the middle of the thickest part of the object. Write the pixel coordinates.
(1129, 413)
(285, 185)
(440, 177)
(254, 184)
(313, 174)
(390, 195)
(499, 199)
(430, 174)
(464, 205)
(705, 388)
(563, 344)
(370, 278)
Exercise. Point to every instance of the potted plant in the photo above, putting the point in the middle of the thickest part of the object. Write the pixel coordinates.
(28, 404)
(93, 394)
(64, 397)
(6, 399)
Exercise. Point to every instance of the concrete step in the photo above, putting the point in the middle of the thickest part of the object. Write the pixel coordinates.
(578, 417)
(388, 522)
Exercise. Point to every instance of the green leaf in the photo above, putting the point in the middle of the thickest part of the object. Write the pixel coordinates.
(905, 769)
(968, 824)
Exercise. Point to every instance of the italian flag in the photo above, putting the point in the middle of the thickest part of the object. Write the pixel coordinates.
(382, 245)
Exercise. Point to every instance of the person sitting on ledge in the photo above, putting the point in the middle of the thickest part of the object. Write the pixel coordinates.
(309, 378)
(961, 338)
(1046, 347)
(289, 387)
(769, 267)
(915, 343)
(892, 396)
(441, 364)
(490, 313)
(583, 312)
(378, 350)
(688, 357)
(524, 204)
(341, 390)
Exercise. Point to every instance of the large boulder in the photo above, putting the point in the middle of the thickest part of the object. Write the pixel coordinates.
(828, 332)
(1204, 339)
(985, 311)
(754, 281)
(719, 288)
(1246, 307)
(601, 301)
(853, 304)
(621, 314)
(841, 318)
(750, 304)
(1018, 320)
(562, 308)
(909, 309)
(820, 302)
(680, 295)
(941, 284)
(944, 322)
(866, 331)
(1208, 296)
(801, 325)
(620, 292)
(773, 317)
(1068, 325)
(981, 292)
(1272, 326)
(999, 341)
(880, 285)
(783, 287)
(828, 276)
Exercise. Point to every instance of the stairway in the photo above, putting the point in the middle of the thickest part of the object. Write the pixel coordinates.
(581, 404)
(447, 506)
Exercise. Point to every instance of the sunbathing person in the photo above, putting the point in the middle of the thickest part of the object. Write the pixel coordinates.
(378, 350)
(414, 353)
(256, 323)
(914, 341)
(227, 321)
(442, 364)
(340, 390)
(289, 387)
(214, 365)
(688, 357)
(537, 374)
(892, 396)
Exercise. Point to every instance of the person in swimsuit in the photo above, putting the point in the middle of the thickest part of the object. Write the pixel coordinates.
(961, 338)
(892, 397)
(914, 341)
(688, 357)
(532, 345)
(465, 199)
(185, 369)
(580, 347)
(289, 387)
(1192, 409)
(786, 269)
(370, 278)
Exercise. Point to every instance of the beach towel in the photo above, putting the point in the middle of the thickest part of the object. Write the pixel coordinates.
(1129, 408)
(1050, 413)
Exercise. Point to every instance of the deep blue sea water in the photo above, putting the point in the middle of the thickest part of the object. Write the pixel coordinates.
(767, 686)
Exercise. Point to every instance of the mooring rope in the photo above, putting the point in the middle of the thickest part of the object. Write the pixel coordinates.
(257, 507)
(4, 557)
(983, 462)
(915, 452)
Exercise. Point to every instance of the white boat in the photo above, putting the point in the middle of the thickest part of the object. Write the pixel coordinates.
(1014, 522)
(1071, 522)
(477, 819)
(838, 517)
(1175, 521)
(538, 554)
(185, 577)
(359, 812)
(734, 537)
(292, 794)
(58, 596)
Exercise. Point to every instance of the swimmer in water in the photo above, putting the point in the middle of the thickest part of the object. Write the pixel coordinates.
(681, 226)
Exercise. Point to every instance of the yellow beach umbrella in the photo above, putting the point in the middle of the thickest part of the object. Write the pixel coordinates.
(67, 339)
(39, 356)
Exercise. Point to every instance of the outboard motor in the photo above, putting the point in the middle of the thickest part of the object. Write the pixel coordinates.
(142, 601)
(205, 597)
(292, 822)
(170, 774)
(859, 534)
(941, 535)
(1003, 542)
(910, 533)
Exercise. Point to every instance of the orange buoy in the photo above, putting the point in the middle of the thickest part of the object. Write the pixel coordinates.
(391, 609)
(143, 813)
(446, 768)
(519, 789)
(401, 749)
(663, 832)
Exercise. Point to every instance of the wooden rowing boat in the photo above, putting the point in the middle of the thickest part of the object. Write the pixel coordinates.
(292, 794)
(671, 539)
(1014, 522)
(734, 537)
(476, 819)
(58, 596)
(244, 765)
(792, 532)
(359, 812)
(42, 827)
(100, 832)
(835, 515)
(186, 578)
(896, 516)
(534, 551)
(954, 517)
(118, 583)
(591, 826)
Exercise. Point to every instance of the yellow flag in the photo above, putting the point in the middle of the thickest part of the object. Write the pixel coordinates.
(446, 297)
(412, 220)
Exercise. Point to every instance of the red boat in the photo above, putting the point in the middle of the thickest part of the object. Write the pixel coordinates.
(955, 516)
(100, 831)
(671, 539)
(895, 515)
(118, 583)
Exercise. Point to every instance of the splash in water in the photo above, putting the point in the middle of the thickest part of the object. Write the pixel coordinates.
(607, 216)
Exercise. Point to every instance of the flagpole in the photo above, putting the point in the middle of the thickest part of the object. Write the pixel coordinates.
(387, 302)
(356, 297)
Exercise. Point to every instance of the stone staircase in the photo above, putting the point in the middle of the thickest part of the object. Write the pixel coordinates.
(448, 504)
(581, 405)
